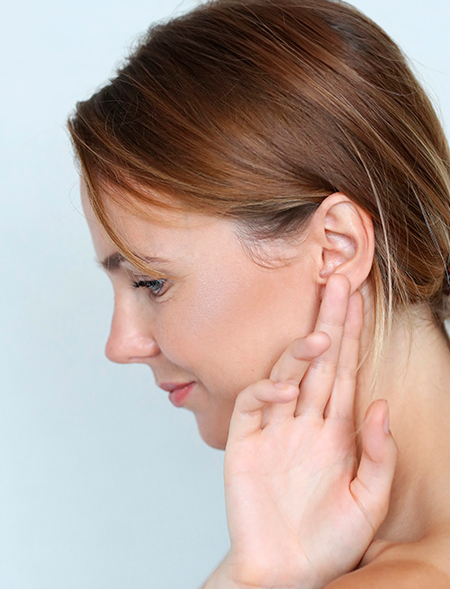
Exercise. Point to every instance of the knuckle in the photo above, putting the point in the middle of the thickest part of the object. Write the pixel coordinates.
(332, 322)
(324, 366)
(297, 348)
(346, 374)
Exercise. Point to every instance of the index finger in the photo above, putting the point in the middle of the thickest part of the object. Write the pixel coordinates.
(291, 367)
(294, 362)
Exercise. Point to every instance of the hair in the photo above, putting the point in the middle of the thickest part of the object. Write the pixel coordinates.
(256, 110)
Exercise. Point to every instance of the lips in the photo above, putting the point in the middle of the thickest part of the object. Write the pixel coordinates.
(178, 392)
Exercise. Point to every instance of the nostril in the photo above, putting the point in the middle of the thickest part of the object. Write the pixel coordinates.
(142, 347)
(131, 349)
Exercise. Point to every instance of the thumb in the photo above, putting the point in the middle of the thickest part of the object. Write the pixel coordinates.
(372, 486)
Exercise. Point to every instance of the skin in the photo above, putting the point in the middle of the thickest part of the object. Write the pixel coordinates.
(195, 332)
(213, 288)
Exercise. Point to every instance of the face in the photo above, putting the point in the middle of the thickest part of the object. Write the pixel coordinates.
(220, 320)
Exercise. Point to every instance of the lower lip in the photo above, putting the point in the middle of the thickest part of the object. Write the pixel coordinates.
(178, 396)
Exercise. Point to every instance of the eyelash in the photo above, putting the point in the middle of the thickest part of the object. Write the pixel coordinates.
(149, 284)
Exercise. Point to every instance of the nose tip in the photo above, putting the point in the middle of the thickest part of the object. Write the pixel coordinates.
(130, 338)
(130, 349)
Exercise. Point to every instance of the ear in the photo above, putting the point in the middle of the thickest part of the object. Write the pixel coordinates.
(343, 234)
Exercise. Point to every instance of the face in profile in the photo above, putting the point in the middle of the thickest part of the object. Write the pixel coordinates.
(220, 319)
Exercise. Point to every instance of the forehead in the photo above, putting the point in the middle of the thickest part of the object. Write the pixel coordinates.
(164, 233)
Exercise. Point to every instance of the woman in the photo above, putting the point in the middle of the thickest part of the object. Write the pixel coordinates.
(268, 188)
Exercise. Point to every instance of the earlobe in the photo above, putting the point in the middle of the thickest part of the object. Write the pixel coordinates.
(345, 234)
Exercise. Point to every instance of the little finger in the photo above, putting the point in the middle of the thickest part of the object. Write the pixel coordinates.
(372, 486)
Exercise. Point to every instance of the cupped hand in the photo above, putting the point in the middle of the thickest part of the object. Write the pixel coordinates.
(301, 510)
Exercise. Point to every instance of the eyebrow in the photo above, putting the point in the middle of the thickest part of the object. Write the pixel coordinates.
(113, 262)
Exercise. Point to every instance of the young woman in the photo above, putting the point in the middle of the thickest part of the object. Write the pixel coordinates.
(268, 188)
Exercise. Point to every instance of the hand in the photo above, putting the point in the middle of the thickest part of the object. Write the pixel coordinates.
(301, 511)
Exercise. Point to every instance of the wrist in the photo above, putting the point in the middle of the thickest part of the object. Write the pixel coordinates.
(230, 576)
(220, 580)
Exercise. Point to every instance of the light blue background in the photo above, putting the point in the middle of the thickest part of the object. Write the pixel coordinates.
(103, 484)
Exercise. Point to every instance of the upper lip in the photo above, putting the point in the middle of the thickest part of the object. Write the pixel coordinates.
(173, 386)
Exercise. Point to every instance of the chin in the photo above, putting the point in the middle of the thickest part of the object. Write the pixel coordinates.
(213, 434)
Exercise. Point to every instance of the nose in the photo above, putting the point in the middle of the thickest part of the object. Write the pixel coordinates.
(131, 338)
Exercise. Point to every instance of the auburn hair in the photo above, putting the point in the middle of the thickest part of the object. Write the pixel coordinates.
(256, 110)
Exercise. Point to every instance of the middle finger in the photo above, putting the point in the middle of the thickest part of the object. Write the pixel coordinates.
(317, 384)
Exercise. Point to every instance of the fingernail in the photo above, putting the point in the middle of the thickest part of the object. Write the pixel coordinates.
(386, 421)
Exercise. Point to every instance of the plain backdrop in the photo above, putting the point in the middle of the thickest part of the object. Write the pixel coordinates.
(103, 484)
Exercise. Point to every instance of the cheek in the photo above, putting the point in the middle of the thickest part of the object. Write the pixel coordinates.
(229, 331)
(199, 328)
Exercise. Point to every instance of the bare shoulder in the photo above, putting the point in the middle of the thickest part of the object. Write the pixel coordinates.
(424, 564)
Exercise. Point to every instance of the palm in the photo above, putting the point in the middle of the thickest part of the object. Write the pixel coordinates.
(295, 509)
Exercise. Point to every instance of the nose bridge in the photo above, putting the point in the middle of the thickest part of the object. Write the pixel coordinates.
(131, 337)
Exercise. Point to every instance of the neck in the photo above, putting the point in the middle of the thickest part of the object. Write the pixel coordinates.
(415, 379)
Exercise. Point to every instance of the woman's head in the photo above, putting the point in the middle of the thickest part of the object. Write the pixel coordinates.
(255, 112)
(220, 319)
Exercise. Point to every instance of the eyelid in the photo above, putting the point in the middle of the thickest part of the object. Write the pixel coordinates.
(162, 285)
(135, 277)
(151, 274)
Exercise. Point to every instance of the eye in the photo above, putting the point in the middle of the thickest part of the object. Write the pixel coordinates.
(155, 287)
